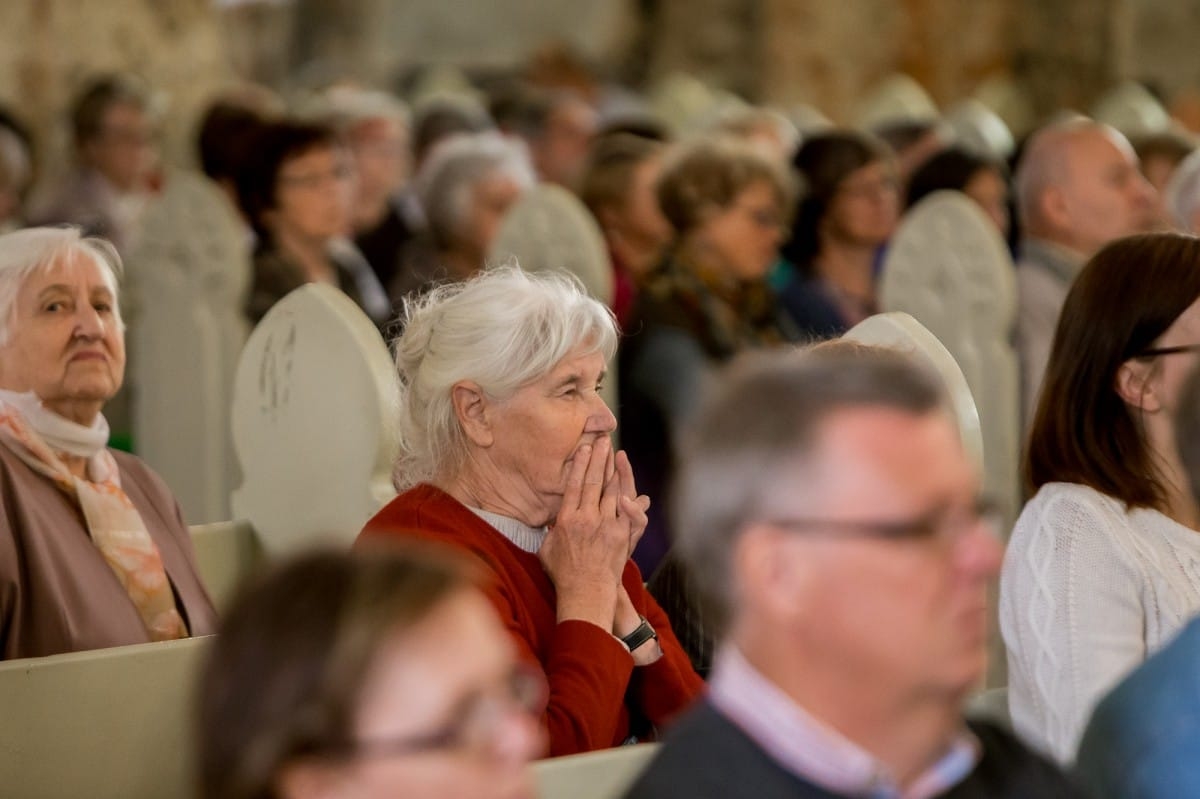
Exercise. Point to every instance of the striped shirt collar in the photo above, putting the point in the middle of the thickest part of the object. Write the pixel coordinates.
(815, 752)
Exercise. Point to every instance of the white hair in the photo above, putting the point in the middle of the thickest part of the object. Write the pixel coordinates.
(1181, 195)
(502, 329)
(347, 106)
(448, 176)
(26, 252)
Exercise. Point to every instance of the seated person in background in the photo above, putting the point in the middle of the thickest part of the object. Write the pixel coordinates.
(465, 188)
(116, 162)
(17, 164)
(376, 127)
(296, 191)
(984, 180)
(368, 674)
(1078, 188)
(619, 186)
(849, 207)
(707, 301)
(1143, 738)
(1159, 155)
(1181, 196)
(93, 549)
(556, 125)
(1103, 566)
(505, 454)
(831, 520)
(912, 142)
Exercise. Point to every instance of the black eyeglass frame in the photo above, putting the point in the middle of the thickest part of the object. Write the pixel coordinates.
(927, 526)
(1154, 352)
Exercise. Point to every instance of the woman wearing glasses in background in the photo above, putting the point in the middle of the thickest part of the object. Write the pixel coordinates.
(297, 192)
(849, 210)
(1103, 566)
(367, 674)
(707, 301)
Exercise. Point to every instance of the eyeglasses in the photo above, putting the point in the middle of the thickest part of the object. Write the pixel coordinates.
(766, 218)
(882, 187)
(938, 524)
(476, 723)
(316, 180)
(1154, 352)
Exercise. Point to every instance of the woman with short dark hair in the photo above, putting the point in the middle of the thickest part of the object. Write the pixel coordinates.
(1103, 566)
(296, 189)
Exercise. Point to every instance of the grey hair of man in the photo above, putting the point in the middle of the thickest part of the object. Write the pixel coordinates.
(446, 181)
(1044, 163)
(745, 453)
(502, 329)
(26, 252)
(1181, 195)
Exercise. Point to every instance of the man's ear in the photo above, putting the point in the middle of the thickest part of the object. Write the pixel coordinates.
(471, 406)
(1134, 385)
(765, 567)
(1054, 207)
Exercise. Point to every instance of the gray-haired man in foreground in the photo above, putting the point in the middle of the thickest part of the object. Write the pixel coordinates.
(830, 518)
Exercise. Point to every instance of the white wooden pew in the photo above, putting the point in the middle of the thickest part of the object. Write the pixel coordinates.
(107, 724)
(605, 774)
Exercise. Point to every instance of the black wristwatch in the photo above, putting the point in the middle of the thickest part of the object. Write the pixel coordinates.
(641, 634)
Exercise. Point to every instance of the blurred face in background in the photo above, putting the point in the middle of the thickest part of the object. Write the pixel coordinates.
(123, 149)
(866, 207)
(314, 194)
(638, 226)
(745, 235)
(380, 151)
(990, 191)
(446, 712)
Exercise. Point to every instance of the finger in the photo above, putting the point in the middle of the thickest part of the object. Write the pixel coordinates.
(625, 470)
(593, 479)
(635, 511)
(610, 466)
(574, 489)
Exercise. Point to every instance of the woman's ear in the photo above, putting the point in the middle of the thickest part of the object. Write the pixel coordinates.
(471, 407)
(1135, 385)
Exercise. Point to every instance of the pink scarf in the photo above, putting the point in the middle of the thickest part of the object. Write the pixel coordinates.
(114, 524)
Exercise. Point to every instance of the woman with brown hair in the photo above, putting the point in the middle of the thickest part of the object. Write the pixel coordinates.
(849, 209)
(707, 301)
(382, 673)
(1103, 566)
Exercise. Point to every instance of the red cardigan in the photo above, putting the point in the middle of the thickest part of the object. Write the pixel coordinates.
(595, 691)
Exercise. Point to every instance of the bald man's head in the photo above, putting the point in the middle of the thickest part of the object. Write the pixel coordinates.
(1078, 186)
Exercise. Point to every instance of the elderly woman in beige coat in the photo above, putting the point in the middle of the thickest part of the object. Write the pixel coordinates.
(93, 549)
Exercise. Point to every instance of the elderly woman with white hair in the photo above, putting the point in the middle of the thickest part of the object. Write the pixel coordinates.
(505, 453)
(465, 188)
(93, 549)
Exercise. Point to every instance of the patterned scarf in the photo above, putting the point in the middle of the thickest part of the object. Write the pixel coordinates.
(34, 433)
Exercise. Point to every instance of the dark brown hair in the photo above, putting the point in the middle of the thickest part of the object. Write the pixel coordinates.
(823, 162)
(1127, 296)
(272, 145)
(609, 171)
(284, 676)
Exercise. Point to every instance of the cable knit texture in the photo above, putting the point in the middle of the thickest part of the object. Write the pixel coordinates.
(1088, 591)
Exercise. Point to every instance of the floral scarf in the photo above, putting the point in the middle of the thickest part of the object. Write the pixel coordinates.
(35, 434)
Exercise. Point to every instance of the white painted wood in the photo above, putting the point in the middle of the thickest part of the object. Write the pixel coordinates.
(185, 288)
(106, 724)
(605, 774)
(314, 412)
(948, 267)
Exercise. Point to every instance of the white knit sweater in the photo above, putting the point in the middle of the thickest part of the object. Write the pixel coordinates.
(1088, 591)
